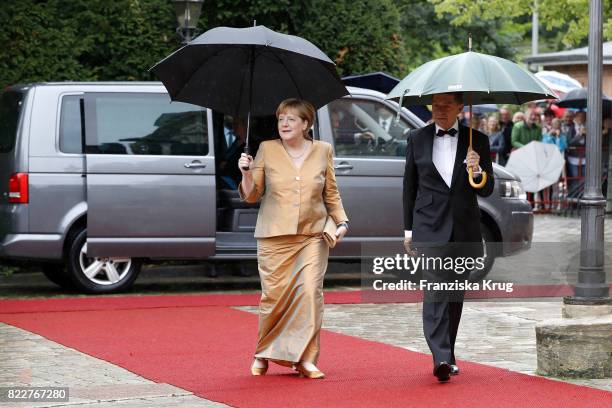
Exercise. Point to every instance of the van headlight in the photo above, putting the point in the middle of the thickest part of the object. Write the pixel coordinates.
(512, 189)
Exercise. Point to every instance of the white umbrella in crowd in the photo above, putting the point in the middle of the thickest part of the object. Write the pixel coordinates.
(539, 165)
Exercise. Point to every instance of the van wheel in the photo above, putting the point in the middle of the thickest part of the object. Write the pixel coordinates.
(57, 274)
(489, 253)
(99, 275)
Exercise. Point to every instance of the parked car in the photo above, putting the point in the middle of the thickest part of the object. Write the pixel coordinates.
(97, 177)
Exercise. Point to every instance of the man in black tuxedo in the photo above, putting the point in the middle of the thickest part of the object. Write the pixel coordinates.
(442, 217)
(232, 143)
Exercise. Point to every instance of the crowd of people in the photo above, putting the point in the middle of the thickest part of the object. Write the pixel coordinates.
(508, 131)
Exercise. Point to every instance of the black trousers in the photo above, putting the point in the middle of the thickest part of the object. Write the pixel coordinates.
(442, 308)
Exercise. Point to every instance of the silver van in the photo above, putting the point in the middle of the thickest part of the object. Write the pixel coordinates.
(97, 177)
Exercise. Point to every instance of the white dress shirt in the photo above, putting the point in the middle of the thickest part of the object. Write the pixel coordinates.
(385, 123)
(443, 157)
(444, 152)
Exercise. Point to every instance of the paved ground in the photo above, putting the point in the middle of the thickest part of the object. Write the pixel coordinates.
(27, 359)
(553, 228)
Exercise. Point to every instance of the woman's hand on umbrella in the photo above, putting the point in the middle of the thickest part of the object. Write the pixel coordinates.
(472, 160)
(340, 232)
(245, 162)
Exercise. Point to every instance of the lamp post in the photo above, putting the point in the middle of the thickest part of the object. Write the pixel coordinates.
(187, 14)
(592, 288)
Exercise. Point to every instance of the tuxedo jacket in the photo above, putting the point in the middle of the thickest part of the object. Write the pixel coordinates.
(434, 211)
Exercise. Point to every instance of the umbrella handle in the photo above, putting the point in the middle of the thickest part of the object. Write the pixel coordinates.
(473, 183)
(246, 150)
(470, 171)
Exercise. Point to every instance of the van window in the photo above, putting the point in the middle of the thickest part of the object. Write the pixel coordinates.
(10, 110)
(367, 128)
(144, 124)
(70, 138)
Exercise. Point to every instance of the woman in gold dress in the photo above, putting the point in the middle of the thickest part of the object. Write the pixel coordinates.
(294, 178)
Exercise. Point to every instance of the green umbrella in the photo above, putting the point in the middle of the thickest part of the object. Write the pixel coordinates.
(481, 78)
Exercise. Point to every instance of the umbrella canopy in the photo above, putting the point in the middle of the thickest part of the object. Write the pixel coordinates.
(558, 81)
(249, 71)
(577, 99)
(383, 82)
(378, 81)
(482, 78)
(538, 164)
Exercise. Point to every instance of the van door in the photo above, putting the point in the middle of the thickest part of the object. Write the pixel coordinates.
(369, 161)
(13, 166)
(150, 177)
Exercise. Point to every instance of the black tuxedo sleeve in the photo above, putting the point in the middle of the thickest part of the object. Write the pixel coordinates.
(484, 151)
(410, 183)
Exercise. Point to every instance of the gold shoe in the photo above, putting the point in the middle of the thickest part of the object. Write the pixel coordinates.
(259, 370)
(303, 372)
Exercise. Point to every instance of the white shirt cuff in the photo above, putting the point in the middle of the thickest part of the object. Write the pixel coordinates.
(407, 234)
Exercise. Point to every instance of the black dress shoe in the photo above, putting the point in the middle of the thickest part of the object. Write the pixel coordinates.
(454, 369)
(442, 371)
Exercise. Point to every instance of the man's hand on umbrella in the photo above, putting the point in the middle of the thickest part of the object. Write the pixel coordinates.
(245, 162)
(472, 160)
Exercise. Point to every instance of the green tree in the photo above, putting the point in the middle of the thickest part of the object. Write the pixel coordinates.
(121, 39)
(360, 35)
(52, 40)
(37, 46)
(572, 15)
(429, 35)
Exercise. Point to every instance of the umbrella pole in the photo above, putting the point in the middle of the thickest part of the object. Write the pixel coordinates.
(246, 143)
(470, 171)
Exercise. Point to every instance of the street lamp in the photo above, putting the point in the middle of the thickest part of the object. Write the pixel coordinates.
(187, 14)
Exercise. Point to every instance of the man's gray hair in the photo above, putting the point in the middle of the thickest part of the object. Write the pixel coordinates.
(458, 97)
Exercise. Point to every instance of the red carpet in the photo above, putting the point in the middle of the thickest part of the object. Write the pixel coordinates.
(92, 303)
(208, 350)
(345, 297)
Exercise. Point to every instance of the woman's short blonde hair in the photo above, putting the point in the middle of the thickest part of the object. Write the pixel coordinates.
(304, 109)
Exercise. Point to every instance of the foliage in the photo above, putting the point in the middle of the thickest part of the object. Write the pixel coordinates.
(54, 40)
(361, 36)
(429, 35)
(571, 15)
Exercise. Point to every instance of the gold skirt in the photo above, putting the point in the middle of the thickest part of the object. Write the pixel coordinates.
(291, 269)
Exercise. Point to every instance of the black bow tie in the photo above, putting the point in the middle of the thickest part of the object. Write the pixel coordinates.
(451, 132)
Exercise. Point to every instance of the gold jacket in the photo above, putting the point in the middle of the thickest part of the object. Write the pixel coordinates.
(294, 202)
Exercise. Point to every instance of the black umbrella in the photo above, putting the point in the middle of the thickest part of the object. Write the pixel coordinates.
(249, 71)
(383, 82)
(577, 99)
